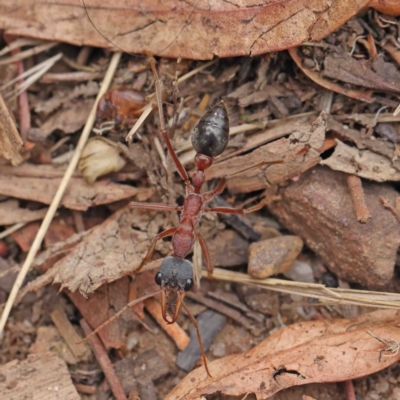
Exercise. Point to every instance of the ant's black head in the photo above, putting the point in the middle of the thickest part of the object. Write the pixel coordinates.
(175, 273)
(211, 134)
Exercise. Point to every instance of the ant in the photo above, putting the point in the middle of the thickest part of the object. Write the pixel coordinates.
(120, 106)
(209, 138)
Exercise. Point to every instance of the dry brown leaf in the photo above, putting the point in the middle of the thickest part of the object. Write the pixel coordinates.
(362, 95)
(341, 66)
(296, 159)
(198, 29)
(78, 196)
(10, 141)
(363, 163)
(331, 350)
(113, 249)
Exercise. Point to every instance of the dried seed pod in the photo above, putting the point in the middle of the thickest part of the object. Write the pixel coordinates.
(99, 157)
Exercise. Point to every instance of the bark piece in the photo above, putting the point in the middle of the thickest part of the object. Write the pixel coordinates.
(112, 250)
(42, 376)
(273, 256)
(362, 163)
(299, 153)
(318, 208)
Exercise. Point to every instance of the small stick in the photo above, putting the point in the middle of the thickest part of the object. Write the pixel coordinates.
(394, 211)
(104, 362)
(59, 194)
(174, 331)
(67, 331)
(357, 194)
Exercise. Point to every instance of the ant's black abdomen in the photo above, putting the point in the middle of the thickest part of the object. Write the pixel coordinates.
(210, 136)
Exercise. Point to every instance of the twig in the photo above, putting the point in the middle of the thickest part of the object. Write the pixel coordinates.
(12, 229)
(394, 211)
(60, 192)
(105, 363)
(357, 194)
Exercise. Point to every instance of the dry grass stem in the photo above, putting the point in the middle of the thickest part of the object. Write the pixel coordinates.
(334, 296)
(34, 74)
(29, 53)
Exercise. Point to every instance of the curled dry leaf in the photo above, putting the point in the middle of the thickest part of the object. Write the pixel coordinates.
(331, 350)
(113, 249)
(198, 29)
(99, 157)
(363, 163)
(10, 141)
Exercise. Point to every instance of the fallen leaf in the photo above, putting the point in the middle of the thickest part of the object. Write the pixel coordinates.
(362, 95)
(78, 196)
(170, 29)
(341, 66)
(331, 350)
(11, 143)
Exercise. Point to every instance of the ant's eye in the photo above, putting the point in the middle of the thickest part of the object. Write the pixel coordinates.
(188, 284)
(158, 278)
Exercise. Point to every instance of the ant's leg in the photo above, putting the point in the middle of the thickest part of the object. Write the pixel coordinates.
(181, 170)
(216, 191)
(154, 206)
(227, 210)
(149, 254)
(204, 248)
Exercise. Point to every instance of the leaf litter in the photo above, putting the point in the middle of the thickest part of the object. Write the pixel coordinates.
(284, 106)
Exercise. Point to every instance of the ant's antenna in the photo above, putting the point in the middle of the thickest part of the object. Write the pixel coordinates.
(131, 304)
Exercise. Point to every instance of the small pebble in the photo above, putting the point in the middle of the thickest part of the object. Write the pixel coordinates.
(300, 272)
(273, 256)
(219, 350)
(132, 341)
(395, 395)
(382, 386)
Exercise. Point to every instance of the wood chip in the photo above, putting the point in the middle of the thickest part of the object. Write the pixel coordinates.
(69, 334)
(11, 143)
(42, 376)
